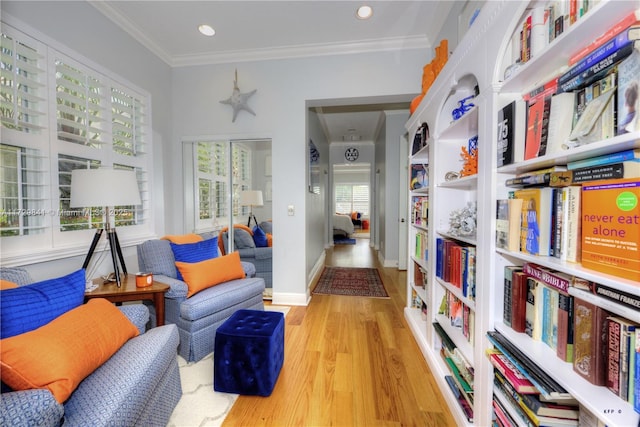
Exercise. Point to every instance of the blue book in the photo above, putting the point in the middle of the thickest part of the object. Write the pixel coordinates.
(602, 52)
(439, 256)
(606, 159)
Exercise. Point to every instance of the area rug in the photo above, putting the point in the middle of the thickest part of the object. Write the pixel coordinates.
(344, 241)
(200, 405)
(363, 282)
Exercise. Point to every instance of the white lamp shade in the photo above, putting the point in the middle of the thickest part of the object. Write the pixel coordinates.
(251, 198)
(103, 187)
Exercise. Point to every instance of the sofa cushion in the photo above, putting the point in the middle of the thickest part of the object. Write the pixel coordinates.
(204, 274)
(195, 252)
(183, 238)
(60, 354)
(26, 308)
(155, 256)
(259, 237)
(242, 239)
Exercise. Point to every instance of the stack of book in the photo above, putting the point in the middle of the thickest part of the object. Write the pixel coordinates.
(523, 393)
(461, 379)
(455, 264)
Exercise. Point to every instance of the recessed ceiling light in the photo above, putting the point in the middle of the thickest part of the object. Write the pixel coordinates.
(364, 12)
(206, 30)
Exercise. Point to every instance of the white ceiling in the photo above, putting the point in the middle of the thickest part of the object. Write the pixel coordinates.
(268, 30)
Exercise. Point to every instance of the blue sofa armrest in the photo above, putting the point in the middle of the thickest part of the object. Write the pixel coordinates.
(249, 268)
(138, 314)
(26, 408)
(177, 288)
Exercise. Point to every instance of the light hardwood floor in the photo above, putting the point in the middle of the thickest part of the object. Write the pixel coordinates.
(349, 361)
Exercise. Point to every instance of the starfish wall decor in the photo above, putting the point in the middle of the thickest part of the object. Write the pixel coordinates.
(237, 100)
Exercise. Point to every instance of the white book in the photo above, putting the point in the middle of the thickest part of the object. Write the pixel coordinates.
(560, 121)
(571, 224)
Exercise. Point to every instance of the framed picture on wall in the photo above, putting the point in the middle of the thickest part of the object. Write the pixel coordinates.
(314, 168)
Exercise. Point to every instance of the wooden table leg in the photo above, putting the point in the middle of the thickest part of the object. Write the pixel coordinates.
(158, 301)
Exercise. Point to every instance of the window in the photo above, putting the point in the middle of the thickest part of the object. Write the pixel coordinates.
(352, 198)
(213, 181)
(60, 113)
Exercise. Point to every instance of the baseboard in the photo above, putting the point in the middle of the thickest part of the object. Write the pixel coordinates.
(284, 298)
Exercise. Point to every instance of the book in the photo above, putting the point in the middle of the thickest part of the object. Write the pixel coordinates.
(518, 301)
(535, 230)
(590, 341)
(546, 409)
(550, 298)
(571, 243)
(618, 296)
(627, 330)
(560, 121)
(598, 70)
(507, 293)
(564, 350)
(619, 29)
(549, 277)
(511, 127)
(611, 227)
(532, 180)
(508, 370)
(508, 216)
(419, 177)
(534, 307)
(627, 91)
(595, 122)
(606, 159)
(626, 169)
(535, 114)
(557, 225)
(613, 355)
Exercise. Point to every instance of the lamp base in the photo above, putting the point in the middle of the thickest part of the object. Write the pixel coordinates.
(116, 253)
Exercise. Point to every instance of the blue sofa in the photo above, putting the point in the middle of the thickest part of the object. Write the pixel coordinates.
(138, 385)
(198, 316)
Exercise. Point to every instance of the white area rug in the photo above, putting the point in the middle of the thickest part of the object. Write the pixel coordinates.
(200, 405)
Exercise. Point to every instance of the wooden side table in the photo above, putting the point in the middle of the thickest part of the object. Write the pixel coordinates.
(130, 292)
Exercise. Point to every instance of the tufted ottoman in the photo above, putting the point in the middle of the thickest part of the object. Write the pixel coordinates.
(249, 352)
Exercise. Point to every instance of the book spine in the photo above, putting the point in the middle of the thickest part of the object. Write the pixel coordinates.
(596, 56)
(621, 297)
(571, 248)
(613, 356)
(618, 157)
(590, 342)
(544, 133)
(564, 326)
(627, 169)
(531, 180)
(507, 295)
(519, 301)
(615, 31)
(596, 71)
(551, 278)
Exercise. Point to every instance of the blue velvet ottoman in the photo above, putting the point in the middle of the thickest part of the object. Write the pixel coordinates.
(249, 352)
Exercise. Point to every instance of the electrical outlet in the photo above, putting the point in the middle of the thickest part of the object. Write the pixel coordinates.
(291, 210)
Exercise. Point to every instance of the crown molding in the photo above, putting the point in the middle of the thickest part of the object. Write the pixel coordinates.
(275, 53)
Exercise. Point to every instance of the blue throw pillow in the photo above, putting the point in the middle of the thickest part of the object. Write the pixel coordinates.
(26, 308)
(259, 237)
(195, 252)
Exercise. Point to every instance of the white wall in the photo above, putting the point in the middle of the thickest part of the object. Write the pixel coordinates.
(80, 27)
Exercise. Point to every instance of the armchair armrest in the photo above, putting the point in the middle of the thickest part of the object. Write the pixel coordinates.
(249, 268)
(177, 288)
(35, 407)
(138, 314)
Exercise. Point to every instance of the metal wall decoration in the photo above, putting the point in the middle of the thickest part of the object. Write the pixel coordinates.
(238, 100)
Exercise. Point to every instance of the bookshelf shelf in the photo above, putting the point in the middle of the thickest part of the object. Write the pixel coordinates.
(477, 65)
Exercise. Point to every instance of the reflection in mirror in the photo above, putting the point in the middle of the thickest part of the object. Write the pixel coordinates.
(228, 193)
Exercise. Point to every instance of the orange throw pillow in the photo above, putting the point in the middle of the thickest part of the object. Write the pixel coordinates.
(205, 274)
(5, 284)
(60, 354)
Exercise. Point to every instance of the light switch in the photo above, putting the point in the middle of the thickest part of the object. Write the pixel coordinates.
(291, 210)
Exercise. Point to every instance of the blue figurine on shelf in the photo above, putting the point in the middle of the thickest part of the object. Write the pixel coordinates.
(462, 107)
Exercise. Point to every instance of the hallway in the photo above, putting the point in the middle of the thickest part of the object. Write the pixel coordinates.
(349, 361)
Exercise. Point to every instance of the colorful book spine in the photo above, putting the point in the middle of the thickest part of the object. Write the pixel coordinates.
(590, 341)
(519, 301)
(613, 355)
(552, 278)
(621, 156)
(565, 327)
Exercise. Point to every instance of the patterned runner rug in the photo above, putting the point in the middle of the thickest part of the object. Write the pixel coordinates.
(363, 282)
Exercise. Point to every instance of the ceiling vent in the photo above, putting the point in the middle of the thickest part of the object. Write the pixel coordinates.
(351, 137)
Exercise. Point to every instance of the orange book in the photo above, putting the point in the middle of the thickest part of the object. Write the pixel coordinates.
(611, 227)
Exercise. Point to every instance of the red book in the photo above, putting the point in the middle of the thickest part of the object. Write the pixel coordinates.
(518, 301)
(533, 137)
(520, 383)
(590, 341)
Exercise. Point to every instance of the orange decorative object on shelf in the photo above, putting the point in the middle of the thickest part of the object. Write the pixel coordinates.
(144, 279)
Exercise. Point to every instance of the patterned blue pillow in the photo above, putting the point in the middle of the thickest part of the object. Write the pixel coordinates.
(26, 308)
(195, 252)
(259, 237)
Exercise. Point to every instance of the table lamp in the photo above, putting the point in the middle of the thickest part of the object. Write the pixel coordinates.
(251, 198)
(108, 188)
